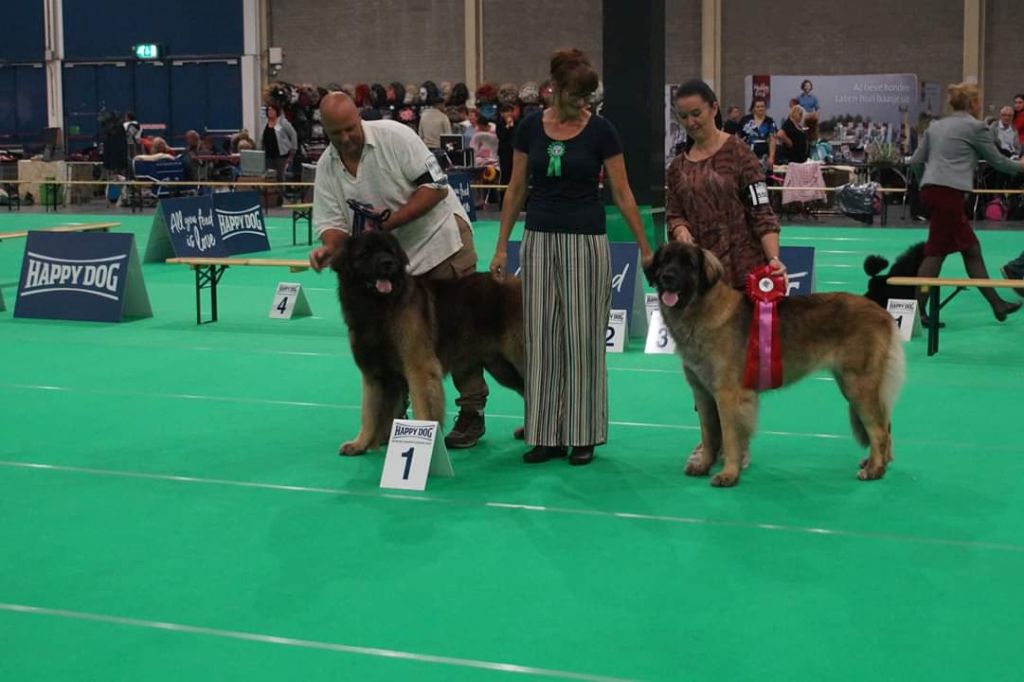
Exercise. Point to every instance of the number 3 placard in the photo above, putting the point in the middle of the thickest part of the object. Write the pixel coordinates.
(659, 340)
(415, 451)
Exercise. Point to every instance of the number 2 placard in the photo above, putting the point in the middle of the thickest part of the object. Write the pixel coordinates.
(615, 332)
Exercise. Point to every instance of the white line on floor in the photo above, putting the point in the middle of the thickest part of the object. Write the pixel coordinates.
(307, 643)
(340, 406)
(513, 506)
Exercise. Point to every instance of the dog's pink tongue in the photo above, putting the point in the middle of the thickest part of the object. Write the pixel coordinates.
(384, 286)
(669, 298)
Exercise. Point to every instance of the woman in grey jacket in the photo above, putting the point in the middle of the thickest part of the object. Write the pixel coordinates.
(949, 153)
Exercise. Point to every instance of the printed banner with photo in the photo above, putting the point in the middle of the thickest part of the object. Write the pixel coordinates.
(867, 98)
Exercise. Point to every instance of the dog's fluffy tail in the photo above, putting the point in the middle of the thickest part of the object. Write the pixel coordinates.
(874, 265)
(892, 381)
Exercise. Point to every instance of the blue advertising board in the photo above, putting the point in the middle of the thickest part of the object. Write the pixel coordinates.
(460, 182)
(227, 224)
(240, 224)
(184, 227)
(627, 288)
(799, 262)
(81, 276)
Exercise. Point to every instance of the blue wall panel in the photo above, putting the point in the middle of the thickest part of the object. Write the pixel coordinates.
(153, 93)
(22, 103)
(90, 89)
(31, 99)
(23, 38)
(107, 29)
(205, 95)
(224, 101)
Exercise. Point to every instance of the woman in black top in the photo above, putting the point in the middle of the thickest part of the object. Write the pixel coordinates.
(565, 260)
(793, 136)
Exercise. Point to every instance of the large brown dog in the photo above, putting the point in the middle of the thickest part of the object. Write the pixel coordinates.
(407, 333)
(709, 320)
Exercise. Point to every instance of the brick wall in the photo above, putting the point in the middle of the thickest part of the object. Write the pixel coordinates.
(413, 40)
(1004, 58)
(369, 41)
(416, 40)
(869, 36)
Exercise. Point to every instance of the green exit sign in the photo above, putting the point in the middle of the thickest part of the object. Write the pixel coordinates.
(148, 51)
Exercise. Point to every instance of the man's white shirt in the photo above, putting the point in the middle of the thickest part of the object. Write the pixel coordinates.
(394, 164)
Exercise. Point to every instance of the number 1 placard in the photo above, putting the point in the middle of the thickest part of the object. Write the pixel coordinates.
(415, 451)
(904, 311)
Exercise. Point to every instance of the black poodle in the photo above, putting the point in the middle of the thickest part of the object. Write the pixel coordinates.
(906, 265)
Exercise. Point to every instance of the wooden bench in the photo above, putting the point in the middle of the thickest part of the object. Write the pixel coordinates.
(209, 270)
(933, 285)
(302, 212)
(84, 227)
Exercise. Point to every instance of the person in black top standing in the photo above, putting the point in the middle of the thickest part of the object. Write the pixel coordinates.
(793, 136)
(566, 266)
(507, 125)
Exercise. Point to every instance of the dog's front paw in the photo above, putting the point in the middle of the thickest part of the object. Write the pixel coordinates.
(870, 473)
(725, 479)
(351, 449)
(700, 461)
(698, 466)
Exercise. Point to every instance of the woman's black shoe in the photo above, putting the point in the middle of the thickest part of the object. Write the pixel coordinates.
(581, 454)
(542, 453)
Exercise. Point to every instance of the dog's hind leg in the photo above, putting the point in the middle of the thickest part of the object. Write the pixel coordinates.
(369, 418)
(869, 412)
(737, 412)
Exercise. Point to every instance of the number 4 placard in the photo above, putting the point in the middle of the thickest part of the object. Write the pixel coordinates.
(414, 452)
(289, 301)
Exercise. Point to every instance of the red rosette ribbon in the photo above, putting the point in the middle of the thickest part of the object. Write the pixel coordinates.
(764, 348)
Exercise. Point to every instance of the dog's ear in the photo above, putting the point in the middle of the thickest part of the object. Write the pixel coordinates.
(339, 261)
(403, 257)
(710, 269)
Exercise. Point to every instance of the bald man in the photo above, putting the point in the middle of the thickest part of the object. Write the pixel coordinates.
(386, 164)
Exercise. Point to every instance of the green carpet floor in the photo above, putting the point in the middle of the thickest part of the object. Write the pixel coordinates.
(172, 507)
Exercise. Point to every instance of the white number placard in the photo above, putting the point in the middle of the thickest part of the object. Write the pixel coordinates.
(651, 306)
(289, 301)
(659, 340)
(615, 332)
(415, 450)
(904, 311)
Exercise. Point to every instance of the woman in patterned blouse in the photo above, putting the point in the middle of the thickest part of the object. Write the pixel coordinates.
(717, 197)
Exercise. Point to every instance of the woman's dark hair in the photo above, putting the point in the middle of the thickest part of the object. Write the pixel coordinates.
(806, 82)
(699, 88)
(1021, 96)
(756, 99)
(572, 72)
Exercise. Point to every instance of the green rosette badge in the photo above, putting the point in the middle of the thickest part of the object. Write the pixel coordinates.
(556, 150)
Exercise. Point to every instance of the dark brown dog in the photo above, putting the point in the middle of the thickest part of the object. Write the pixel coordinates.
(709, 320)
(407, 334)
